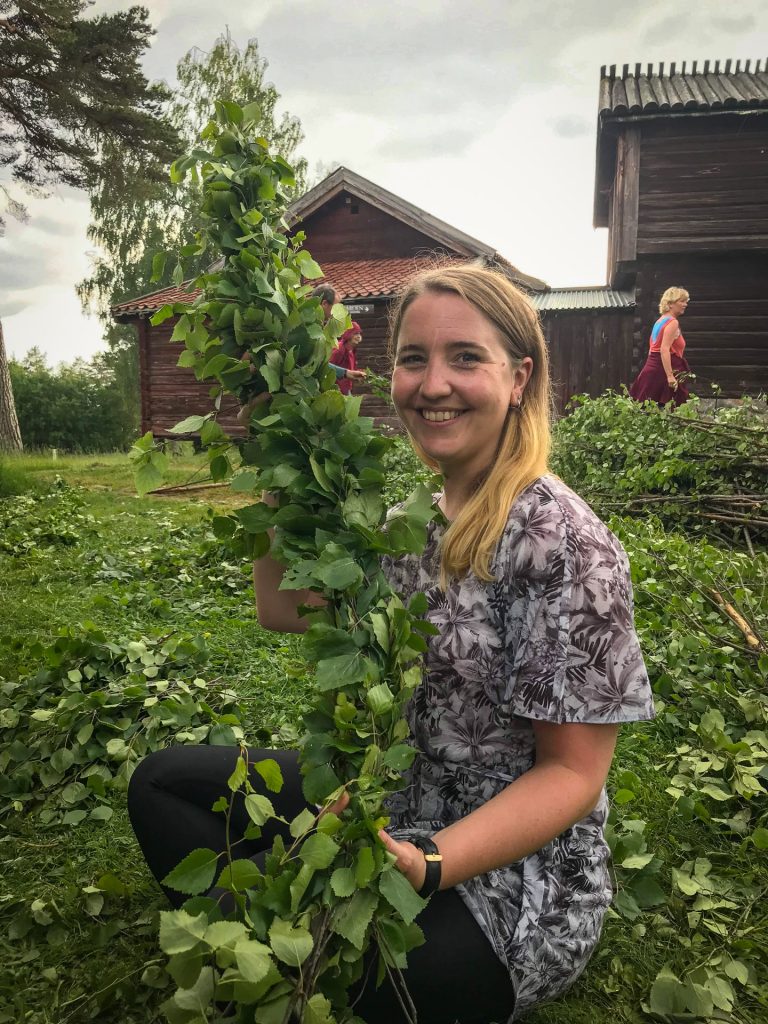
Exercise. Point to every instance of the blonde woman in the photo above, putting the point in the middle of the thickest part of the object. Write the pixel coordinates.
(534, 667)
(663, 377)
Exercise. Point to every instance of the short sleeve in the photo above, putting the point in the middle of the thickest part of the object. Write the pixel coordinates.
(571, 651)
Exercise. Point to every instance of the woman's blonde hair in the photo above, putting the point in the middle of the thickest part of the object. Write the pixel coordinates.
(523, 452)
(672, 295)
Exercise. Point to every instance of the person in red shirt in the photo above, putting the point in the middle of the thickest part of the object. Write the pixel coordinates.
(663, 378)
(344, 356)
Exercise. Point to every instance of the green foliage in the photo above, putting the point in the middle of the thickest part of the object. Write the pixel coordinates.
(257, 330)
(711, 756)
(71, 734)
(135, 212)
(688, 824)
(30, 525)
(403, 469)
(77, 407)
(707, 473)
(72, 85)
(13, 480)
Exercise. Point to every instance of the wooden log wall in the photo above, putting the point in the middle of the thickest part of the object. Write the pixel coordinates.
(589, 351)
(170, 393)
(348, 228)
(726, 324)
(704, 184)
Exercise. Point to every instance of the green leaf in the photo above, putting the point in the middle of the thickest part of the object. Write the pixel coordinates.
(224, 933)
(318, 851)
(667, 994)
(179, 931)
(147, 478)
(365, 866)
(62, 759)
(251, 113)
(380, 699)
(318, 1011)
(269, 770)
(303, 822)
(290, 945)
(637, 860)
(101, 813)
(333, 673)
(195, 874)
(399, 893)
(319, 783)
(259, 808)
(241, 874)
(399, 757)
(647, 892)
(239, 775)
(354, 916)
(191, 425)
(341, 573)
(343, 882)
(253, 960)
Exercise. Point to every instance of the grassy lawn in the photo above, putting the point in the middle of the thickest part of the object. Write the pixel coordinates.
(78, 911)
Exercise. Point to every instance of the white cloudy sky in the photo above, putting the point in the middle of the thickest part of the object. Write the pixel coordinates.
(482, 112)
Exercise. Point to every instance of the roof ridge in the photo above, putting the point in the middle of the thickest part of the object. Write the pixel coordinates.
(729, 67)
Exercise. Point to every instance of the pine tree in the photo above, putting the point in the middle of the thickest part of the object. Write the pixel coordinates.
(133, 216)
(74, 102)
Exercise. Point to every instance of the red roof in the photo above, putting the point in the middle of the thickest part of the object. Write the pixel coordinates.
(352, 279)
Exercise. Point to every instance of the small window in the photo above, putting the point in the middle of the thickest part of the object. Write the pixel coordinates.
(354, 208)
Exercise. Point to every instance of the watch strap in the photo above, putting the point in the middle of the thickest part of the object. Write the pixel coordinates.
(434, 864)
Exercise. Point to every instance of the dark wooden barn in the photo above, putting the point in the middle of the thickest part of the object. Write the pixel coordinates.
(368, 242)
(682, 186)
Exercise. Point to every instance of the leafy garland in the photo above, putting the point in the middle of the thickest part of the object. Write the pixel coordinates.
(305, 923)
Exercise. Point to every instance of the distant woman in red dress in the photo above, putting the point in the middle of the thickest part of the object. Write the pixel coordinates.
(344, 356)
(662, 379)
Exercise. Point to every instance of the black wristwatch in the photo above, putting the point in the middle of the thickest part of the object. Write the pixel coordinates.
(434, 861)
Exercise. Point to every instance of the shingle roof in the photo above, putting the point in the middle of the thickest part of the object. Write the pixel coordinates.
(353, 279)
(704, 86)
(597, 297)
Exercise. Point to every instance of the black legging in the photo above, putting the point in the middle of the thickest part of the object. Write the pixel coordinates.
(454, 978)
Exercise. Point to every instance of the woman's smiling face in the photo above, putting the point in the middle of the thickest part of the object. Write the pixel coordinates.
(454, 382)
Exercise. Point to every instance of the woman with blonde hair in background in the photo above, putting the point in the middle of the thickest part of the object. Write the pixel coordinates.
(663, 378)
(534, 666)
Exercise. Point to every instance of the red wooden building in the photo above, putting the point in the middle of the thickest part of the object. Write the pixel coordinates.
(682, 186)
(368, 242)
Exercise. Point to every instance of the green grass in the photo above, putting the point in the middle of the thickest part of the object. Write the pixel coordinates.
(139, 567)
(148, 567)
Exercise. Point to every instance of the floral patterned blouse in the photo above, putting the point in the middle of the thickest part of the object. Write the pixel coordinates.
(551, 639)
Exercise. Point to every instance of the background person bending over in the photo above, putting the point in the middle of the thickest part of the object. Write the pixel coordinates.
(328, 298)
(663, 378)
(344, 357)
(534, 666)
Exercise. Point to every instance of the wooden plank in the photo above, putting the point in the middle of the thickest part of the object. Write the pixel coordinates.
(145, 389)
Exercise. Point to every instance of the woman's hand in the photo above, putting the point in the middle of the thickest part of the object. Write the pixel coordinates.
(356, 374)
(410, 859)
(672, 382)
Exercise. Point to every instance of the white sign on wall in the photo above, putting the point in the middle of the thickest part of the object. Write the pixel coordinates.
(356, 310)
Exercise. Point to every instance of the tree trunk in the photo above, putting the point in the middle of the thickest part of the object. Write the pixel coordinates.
(10, 435)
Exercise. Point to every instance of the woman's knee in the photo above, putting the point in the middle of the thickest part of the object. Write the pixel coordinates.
(149, 773)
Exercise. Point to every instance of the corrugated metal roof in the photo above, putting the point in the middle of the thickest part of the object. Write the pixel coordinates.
(599, 297)
(704, 86)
